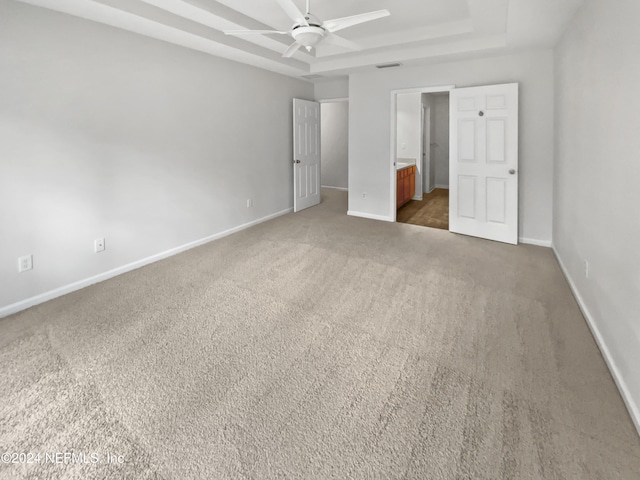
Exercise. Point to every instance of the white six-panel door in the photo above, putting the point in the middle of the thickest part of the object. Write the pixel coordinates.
(306, 154)
(483, 167)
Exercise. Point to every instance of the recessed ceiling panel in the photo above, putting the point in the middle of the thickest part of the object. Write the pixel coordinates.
(405, 14)
(416, 31)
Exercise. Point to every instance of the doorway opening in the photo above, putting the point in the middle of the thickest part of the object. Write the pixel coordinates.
(420, 156)
(334, 152)
(334, 143)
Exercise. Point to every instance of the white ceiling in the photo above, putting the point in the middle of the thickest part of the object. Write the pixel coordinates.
(418, 31)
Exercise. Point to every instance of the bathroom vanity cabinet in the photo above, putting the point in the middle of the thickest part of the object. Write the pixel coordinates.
(406, 184)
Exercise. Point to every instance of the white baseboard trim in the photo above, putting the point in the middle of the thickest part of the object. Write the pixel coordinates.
(335, 188)
(417, 198)
(72, 287)
(370, 216)
(429, 191)
(632, 406)
(446, 187)
(533, 241)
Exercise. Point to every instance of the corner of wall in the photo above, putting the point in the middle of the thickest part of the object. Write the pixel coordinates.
(618, 378)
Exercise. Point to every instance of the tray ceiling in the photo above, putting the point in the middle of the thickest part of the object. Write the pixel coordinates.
(416, 31)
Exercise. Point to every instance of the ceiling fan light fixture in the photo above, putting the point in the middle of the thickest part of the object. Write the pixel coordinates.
(308, 36)
(309, 30)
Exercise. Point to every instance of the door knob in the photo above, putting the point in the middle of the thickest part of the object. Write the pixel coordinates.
(296, 161)
(481, 113)
(512, 172)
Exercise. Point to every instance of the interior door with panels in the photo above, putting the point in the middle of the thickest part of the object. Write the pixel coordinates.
(483, 194)
(306, 154)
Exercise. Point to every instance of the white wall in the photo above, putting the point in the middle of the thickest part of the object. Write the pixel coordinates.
(441, 140)
(596, 195)
(369, 130)
(334, 146)
(409, 133)
(408, 126)
(331, 88)
(109, 134)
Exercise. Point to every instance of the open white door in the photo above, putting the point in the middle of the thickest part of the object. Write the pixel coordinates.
(483, 166)
(306, 154)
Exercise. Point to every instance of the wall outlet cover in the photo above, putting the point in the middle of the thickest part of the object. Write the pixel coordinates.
(25, 263)
(99, 245)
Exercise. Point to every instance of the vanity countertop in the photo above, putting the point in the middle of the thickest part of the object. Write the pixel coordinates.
(401, 165)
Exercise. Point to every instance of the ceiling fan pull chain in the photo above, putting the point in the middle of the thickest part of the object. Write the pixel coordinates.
(308, 7)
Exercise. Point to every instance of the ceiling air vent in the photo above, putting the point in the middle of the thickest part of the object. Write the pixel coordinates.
(311, 77)
(389, 65)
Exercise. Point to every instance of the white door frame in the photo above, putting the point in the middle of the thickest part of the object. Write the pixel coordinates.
(333, 100)
(394, 136)
(417, 194)
(426, 150)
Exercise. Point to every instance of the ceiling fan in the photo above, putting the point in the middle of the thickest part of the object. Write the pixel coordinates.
(309, 31)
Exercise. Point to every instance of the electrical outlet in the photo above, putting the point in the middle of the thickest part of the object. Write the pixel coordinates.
(25, 263)
(586, 269)
(249, 202)
(99, 245)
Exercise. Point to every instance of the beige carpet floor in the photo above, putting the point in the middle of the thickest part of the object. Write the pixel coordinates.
(318, 346)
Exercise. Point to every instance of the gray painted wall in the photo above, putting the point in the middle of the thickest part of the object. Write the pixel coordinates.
(334, 146)
(596, 195)
(370, 130)
(331, 88)
(109, 134)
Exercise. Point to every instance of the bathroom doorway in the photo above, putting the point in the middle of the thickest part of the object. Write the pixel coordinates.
(422, 151)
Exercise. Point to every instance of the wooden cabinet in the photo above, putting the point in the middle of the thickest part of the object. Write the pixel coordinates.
(405, 185)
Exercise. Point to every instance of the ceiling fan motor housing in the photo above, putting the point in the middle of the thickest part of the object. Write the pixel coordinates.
(308, 36)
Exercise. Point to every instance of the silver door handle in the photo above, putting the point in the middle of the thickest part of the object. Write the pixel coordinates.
(296, 161)
(512, 172)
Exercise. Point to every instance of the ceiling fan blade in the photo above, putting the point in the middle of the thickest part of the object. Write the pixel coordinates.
(339, 41)
(293, 48)
(253, 32)
(344, 22)
(293, 11)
